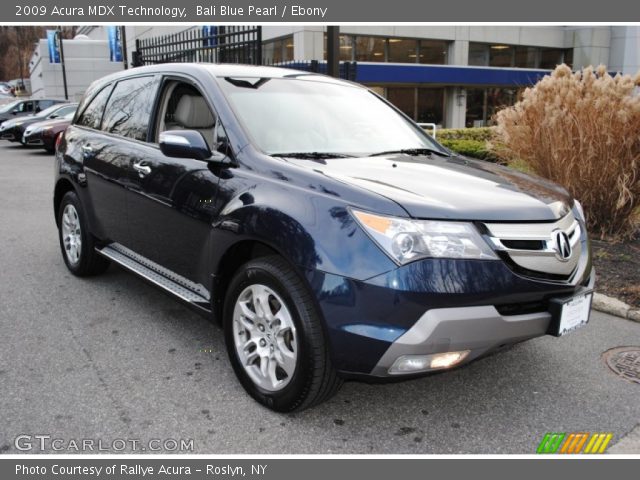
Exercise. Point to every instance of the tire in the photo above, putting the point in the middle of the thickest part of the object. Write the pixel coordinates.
(292, 327)
(55, 141)
(73, 231)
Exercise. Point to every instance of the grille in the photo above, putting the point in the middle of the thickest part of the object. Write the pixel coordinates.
(535, 249)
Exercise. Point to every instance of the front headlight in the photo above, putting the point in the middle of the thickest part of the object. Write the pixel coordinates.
(406, 240)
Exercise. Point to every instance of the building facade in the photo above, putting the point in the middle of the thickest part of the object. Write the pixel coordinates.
(86, 60)
(453, 76)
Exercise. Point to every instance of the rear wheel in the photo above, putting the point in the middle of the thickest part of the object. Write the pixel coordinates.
(76, 243)
(274, 337)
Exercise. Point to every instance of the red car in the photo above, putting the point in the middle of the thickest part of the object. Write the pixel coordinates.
(44, 134)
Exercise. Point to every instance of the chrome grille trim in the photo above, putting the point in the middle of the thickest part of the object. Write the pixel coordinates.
(546, 259)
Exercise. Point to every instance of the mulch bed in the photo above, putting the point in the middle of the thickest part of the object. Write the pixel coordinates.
(618, 269)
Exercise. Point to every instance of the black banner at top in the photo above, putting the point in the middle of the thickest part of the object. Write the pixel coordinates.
(307, 11)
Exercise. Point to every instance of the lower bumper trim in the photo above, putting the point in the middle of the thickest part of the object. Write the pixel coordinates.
(478, 329)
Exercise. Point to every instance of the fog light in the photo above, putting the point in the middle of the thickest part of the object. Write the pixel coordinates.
(424, 363)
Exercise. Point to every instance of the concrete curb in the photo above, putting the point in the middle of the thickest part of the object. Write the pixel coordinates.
(613, 306)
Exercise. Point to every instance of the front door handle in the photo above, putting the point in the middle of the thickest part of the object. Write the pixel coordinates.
(142, 169)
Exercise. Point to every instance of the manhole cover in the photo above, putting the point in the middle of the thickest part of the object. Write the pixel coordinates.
(624, 361)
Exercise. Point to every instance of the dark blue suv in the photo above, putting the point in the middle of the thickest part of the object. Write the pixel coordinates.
(326, 232)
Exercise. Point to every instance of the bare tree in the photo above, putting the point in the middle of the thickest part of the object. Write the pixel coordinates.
(16, 48)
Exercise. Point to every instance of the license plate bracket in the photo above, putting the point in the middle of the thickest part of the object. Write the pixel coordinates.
(570, 313)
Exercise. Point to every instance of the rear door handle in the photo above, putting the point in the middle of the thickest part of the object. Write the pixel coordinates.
(142, 169)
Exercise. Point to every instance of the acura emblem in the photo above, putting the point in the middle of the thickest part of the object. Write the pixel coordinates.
(562, 246)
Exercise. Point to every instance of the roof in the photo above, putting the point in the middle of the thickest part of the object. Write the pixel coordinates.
(223, 70)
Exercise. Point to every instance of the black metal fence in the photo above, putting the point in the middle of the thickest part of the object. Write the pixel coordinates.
(225, 44)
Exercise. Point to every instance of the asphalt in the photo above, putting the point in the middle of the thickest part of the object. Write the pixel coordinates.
(112, 358)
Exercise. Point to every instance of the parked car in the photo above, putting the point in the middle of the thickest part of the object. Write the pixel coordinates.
(6, 89)
(20, 108)
(330, 236)
(13, 130)
(45, 134)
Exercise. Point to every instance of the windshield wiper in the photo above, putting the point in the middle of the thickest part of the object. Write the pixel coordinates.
(311, 155)
(412, 151)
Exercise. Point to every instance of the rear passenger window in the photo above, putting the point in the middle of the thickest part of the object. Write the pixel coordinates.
(92, 114)
(26, 107)
(129, 108)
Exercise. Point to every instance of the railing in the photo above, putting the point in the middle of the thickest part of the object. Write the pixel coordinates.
(224, 44)
(431, 126)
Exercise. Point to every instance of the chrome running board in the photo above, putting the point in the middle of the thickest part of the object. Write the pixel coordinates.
(158, 275)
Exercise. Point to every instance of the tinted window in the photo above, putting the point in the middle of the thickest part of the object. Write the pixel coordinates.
(42, 104)
(25, 107)
(92, 115)
(129, 108)
(61, 112)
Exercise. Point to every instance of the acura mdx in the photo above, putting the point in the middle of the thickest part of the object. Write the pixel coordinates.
(327, 233)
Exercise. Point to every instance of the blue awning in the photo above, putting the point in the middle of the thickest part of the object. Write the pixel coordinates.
(389, 73)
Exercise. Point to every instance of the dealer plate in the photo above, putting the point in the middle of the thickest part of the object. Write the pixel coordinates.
(573, 313)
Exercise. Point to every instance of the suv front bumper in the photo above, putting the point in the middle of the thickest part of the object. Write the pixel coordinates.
(433, 306)
(476, 330)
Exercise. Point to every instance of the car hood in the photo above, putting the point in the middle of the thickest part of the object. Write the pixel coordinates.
(450, 187)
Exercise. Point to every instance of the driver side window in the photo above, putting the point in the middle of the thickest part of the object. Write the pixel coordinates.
(183, 107)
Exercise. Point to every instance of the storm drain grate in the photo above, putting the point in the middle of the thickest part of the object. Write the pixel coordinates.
(625, 362)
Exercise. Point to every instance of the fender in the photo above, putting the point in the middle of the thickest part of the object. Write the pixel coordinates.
(314, 231)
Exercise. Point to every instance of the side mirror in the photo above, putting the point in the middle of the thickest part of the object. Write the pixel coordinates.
(187, 144)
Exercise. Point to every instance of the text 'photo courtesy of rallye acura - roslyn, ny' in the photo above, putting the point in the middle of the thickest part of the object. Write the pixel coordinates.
(326, 232)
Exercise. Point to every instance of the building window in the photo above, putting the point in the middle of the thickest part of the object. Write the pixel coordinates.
(433, 52)
(550, 58)
(484, 103)
(430, 106)
(501, 56)
(484, 55)
(370, 49)
(526, 57)
(478, 54)
(398, 50)
(403, 50)
(403, 98)
(422, 104)
(346, 47)
(278, 50)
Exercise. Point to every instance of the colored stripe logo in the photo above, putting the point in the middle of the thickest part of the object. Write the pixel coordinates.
(572, 443)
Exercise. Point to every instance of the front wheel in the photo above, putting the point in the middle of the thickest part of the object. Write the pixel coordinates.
(274, 337)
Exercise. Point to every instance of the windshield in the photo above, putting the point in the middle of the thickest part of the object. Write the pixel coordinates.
(9, 107)
(285, 115)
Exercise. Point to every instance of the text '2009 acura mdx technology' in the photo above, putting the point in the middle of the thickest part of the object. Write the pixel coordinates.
(330, 236)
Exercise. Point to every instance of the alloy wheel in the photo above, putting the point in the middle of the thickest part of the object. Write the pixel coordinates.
(265, 337)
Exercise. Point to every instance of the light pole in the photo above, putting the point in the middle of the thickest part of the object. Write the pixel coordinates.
(333, 51)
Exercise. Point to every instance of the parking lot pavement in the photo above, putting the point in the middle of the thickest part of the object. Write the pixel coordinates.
(112, 358)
